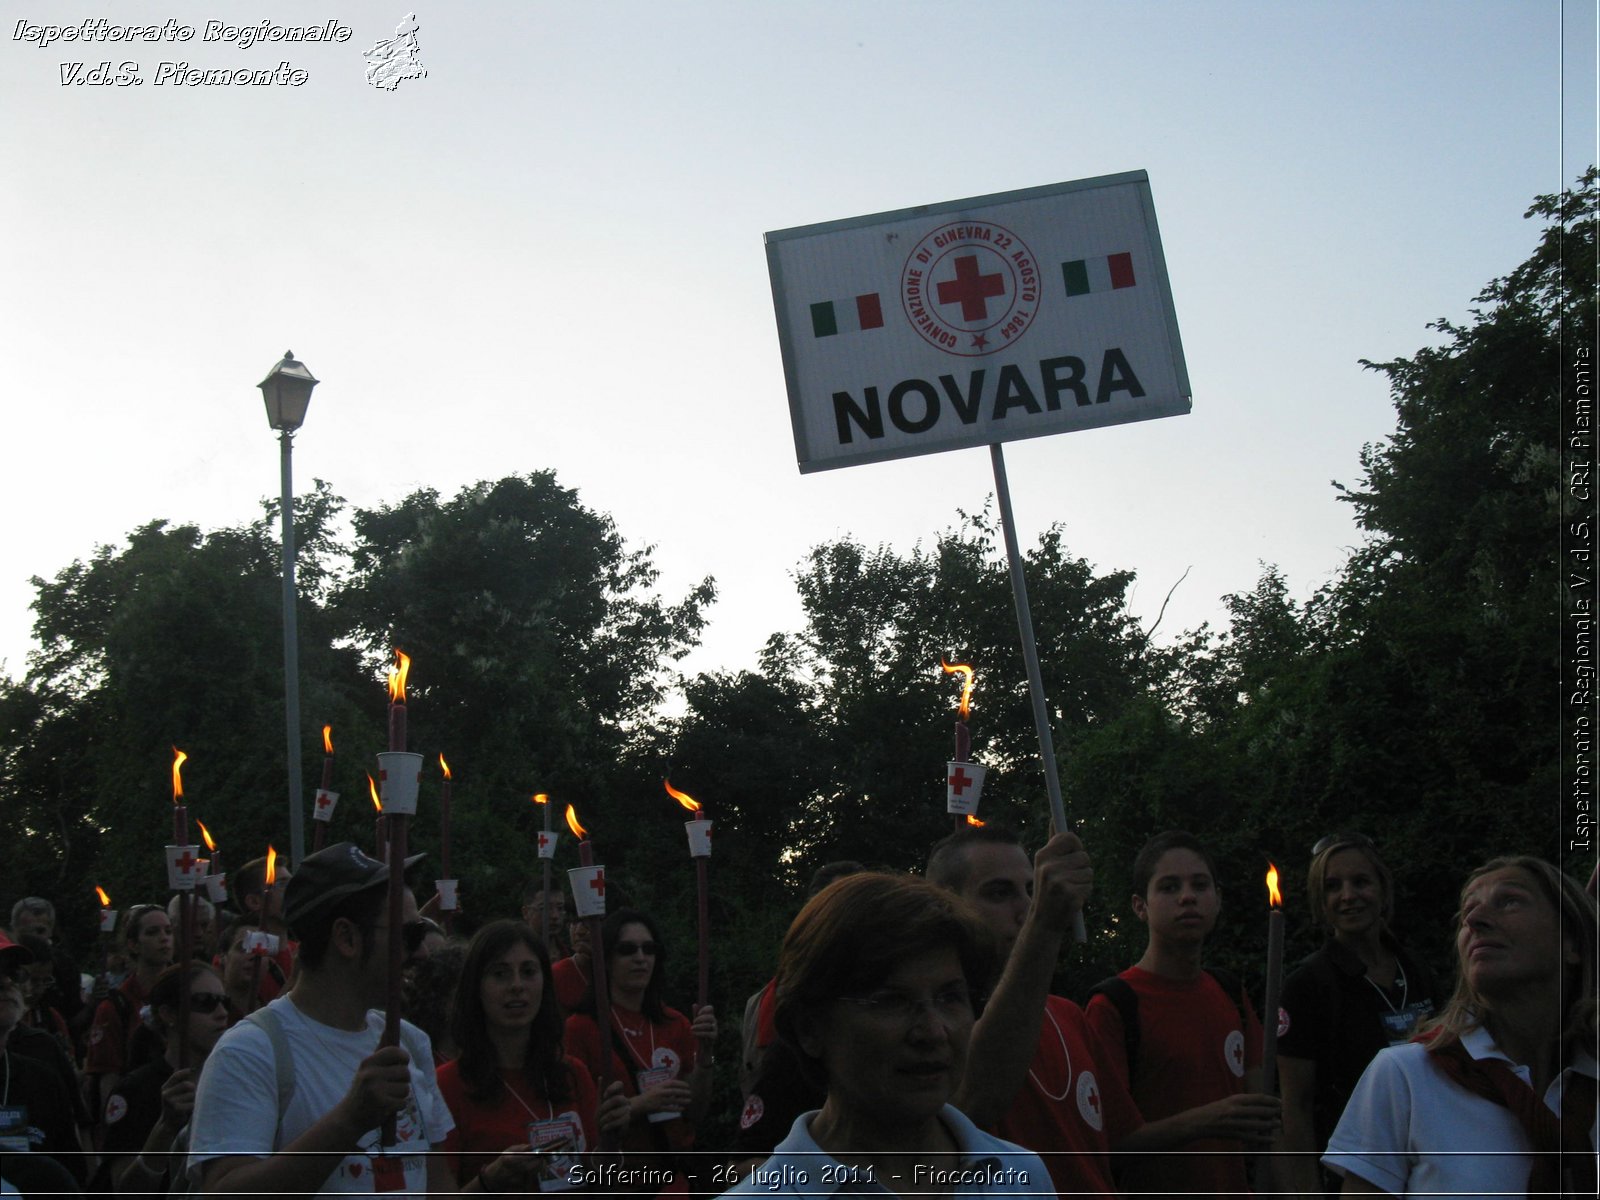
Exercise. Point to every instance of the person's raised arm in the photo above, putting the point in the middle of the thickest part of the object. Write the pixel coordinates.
(1005, 1037)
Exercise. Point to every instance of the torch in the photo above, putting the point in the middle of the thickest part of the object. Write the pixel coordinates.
(108, 924)
(326, 798)
(188, 867)
(1269, 1050)
(589, 891)
(699, 830)
(382, 835)
(547, 851)
(447, 885)
(260, 941)
(401, 774)
(216, 878)
(963, 777)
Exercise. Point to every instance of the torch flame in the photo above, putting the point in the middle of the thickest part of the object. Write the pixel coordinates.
(327, 739)
(540, 798)
(272, 866)
(206, 834)
(683, 798)
(966, 685)
(373, 788)
(974, 822)
(578, 831)
(397, 677)
(1274, 896)
(105, 900)
(445, 766)
(178, 758)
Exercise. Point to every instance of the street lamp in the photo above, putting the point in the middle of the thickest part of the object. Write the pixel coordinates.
(287, 392)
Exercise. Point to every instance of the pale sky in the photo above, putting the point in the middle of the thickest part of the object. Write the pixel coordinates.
(548, 253)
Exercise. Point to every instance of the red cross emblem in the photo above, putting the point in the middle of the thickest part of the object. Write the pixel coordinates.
(971, 289)
(1236, 1052)
(187, 862)
(544, 840)
(598, 883)
(323, 799)
(960, 781)
(1094, 1098)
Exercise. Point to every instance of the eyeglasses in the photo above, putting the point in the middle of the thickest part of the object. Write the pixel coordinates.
(204, 1002)
(1342, 839)
(629, 949)
(892, 1006)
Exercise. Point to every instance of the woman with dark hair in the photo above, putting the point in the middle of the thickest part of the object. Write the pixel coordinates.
(877, 991)
(152, 1103)
(1496, 1096)
(662, 1058)
(523, 1109)
(1360, 992)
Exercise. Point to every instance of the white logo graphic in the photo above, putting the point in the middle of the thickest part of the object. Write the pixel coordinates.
(1233, 1051)
(1089, 1106)
(393, 60)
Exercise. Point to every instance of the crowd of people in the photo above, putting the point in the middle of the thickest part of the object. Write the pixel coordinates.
(908, 1042)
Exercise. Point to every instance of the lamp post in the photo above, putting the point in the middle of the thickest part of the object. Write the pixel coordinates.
(287, 392)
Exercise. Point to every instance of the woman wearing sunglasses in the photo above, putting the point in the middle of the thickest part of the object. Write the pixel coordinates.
(152, 1103)
(1360, 992)
(663, 1059)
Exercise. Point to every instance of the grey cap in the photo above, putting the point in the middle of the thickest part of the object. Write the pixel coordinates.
(331, 874)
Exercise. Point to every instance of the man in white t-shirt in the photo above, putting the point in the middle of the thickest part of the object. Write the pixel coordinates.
(326, 1136)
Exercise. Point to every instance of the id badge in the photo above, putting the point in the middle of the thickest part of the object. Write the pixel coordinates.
(1399, 1027)
(648, 1078)
(558, 1142)
(14, 1129)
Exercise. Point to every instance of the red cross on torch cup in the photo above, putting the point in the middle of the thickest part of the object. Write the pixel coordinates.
(699, 831)
(589, 894)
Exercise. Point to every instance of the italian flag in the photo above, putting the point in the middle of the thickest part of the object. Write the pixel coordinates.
(1087, 275)
(829, 317)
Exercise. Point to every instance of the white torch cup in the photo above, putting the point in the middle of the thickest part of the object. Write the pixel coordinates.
(963, 782)
(399, 777)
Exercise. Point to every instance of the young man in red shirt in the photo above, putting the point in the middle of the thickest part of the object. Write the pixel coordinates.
(1196, 1067)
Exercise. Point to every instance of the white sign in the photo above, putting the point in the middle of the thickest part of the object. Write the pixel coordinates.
(976, 321)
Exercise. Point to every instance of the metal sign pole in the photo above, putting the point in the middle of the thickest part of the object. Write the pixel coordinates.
(1030, 656)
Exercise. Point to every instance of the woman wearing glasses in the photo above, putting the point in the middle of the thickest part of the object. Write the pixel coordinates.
(875, 991)
(152, 1103)
(1496, 1096)
(1360, 992)
(663, 1059)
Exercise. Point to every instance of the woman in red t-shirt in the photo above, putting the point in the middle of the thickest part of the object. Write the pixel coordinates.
(663, 1059)
(513, 1089)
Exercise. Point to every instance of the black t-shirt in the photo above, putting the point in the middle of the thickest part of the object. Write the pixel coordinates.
(133, 1109)
(43, 1047)
(1339, 1019)
(779, 1094)
(30, 1084)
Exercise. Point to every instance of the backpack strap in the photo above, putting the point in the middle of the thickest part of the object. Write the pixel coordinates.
(267, 1021)
(1121, 994)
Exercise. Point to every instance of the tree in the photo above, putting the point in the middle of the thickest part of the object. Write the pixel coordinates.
(540, 653)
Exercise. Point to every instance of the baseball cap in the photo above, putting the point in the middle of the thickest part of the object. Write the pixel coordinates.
(331, 874)
(13, 956)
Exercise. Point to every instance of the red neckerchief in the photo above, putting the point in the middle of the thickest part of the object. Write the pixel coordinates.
(1564, 1161)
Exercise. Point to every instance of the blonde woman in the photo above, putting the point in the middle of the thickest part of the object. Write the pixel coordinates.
(1497, 1095)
